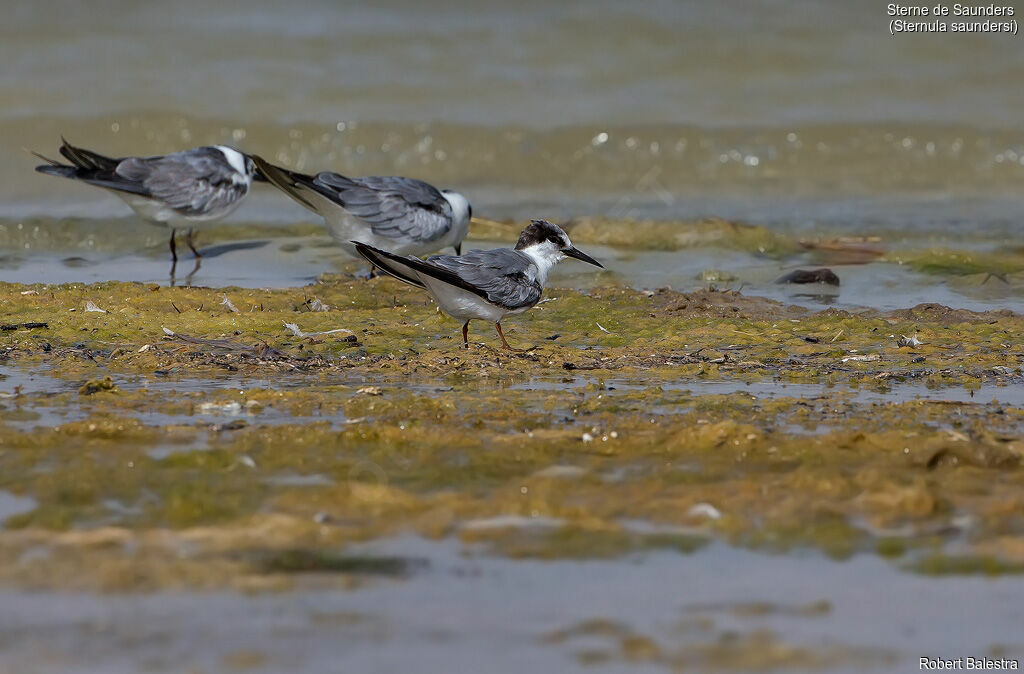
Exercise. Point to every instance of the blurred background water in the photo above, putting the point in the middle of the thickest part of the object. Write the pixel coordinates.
(566, 105)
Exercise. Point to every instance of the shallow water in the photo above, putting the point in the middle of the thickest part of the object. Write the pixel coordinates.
(12, 504)
(282, 261)
(459, 610)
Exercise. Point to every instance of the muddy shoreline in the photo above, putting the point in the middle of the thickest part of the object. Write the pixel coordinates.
(142, 421)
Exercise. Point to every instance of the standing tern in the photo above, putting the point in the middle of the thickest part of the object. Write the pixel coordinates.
(400, 215)
(484, 284)
(183, 189)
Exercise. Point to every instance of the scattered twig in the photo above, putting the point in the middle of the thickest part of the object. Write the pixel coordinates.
(861, 358)
(261, 350)
(27, 326)
(295, 330)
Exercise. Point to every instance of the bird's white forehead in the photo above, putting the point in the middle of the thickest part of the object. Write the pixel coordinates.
(233, 157)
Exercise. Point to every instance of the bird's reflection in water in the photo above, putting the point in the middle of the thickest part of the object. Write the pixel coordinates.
(214, 251)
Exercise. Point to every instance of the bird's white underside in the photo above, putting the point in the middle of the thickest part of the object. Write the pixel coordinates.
(462, 304)
(160, 214)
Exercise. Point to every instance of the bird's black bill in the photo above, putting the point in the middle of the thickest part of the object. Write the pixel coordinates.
(580, 255)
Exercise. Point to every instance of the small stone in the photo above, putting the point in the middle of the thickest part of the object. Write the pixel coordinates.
(826, 276)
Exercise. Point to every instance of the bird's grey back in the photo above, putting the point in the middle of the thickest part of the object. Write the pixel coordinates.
(508, 277)
(394, 207)
(195, 182)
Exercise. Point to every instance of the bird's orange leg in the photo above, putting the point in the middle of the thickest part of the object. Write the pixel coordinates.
(505, 343)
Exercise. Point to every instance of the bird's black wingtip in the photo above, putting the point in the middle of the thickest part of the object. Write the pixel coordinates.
(68, 151)
(365, 250)
(379, 259)
(371, 255)
(37, 155)
(57, 170)
(285, 180)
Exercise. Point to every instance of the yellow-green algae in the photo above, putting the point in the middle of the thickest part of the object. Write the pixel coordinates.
(601, 641)
(587, 446)
(946, 262)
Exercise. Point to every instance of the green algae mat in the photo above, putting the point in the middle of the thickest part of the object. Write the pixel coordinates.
(155, 437)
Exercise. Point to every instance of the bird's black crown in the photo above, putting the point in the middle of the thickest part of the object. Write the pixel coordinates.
(540, 231)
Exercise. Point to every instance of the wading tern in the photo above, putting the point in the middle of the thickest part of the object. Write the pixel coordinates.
(400, 215)
(183, 189)
(484, 284)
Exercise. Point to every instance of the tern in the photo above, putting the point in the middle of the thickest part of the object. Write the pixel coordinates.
(484, 284)
(183, 189)
(400, 215)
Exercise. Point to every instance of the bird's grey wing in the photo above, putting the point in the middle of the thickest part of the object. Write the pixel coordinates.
(393, 207)
(504, 276)
(195, 182)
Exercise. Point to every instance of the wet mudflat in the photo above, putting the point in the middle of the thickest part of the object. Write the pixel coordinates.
(318, 459)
